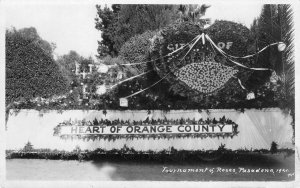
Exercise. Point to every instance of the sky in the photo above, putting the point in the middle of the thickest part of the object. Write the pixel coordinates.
(71, 26)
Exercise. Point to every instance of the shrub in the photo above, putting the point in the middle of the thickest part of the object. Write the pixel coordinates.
(137, 49)
(30, 69)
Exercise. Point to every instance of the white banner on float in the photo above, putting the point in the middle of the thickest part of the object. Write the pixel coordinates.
(147, 129)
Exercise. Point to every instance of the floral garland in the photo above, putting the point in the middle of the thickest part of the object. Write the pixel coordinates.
(104, 123)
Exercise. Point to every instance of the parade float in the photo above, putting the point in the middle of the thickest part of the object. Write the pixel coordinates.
(210, 67)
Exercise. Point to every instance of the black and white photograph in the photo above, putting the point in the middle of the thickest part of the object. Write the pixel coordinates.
(121, 94)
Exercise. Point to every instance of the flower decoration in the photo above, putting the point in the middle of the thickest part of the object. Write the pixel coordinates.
(205, 77)
(198, 69)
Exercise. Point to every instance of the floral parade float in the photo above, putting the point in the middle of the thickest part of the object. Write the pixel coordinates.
(183, 56)
(195, 61)
(211, 67)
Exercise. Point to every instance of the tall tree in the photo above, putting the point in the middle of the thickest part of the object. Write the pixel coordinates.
(276, 24)
(105, 23)
(122, 22)
(192, 13)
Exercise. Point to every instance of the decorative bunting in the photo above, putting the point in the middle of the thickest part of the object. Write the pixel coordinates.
(191, 47)
(237, 63)
(129, 79)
